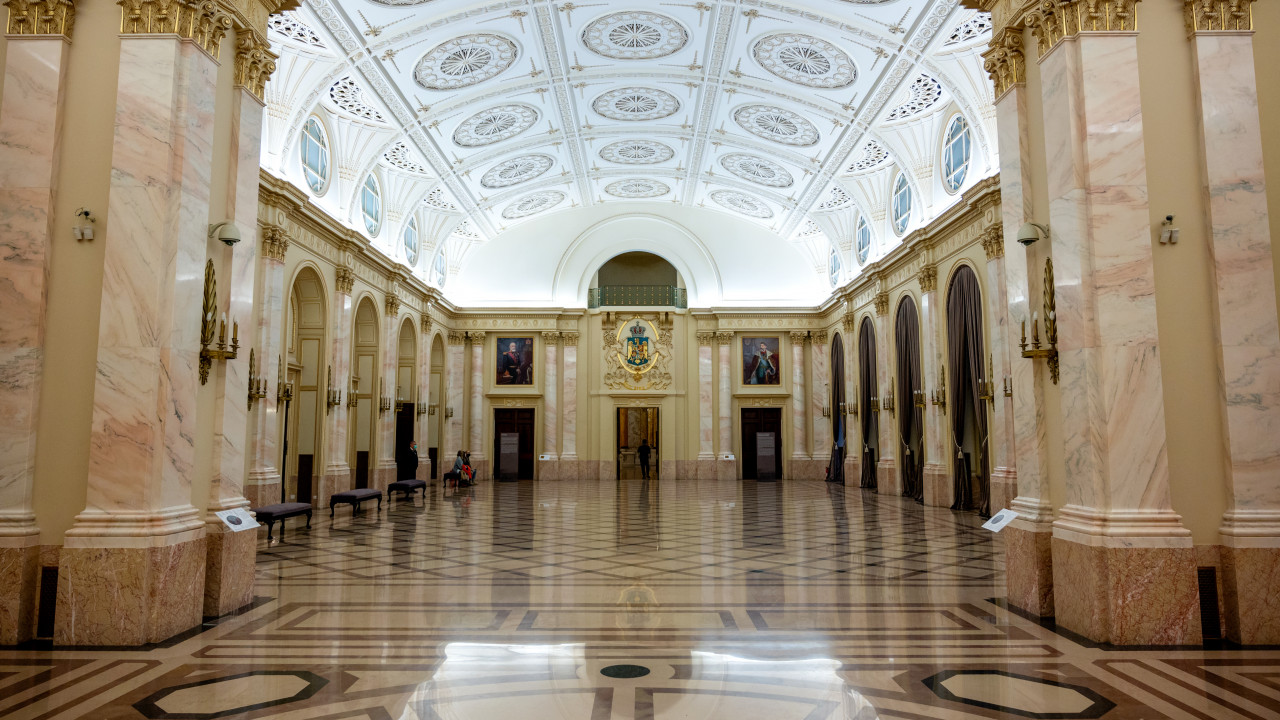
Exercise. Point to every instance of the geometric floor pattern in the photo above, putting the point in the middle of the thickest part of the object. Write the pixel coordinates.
(635, 600)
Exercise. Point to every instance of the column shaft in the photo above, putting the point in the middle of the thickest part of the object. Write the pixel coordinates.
(726, 464)
(937, 481)
(819, 401)
(569, 442)
(263, 486)
(888, 477)
(1004, 478)
(799, 441)
(451, 404)
(337, 471)
(475, 410)
(386, 419)
(550, 406)
(706, 408)
(422, 396)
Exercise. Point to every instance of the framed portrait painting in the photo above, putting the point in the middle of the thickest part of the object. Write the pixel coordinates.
(761, 361)
(515, 361)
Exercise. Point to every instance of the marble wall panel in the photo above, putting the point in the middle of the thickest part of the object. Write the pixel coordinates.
(706, 416)
(569, 406)
(725, 412)
(550, 400)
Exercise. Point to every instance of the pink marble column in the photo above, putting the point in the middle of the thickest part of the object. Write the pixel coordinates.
(569, 440)
(31, 112)
(706, 409)
(423, 398)
(132, 567)
(548, 468)
(1248, 341)
(853, 437)
(800, 465)
(938, 490)
(451, 405)
(1004, 476)
(888, 476)
(385, 474)
(726, 460)
(1118, 546)
(337, 472)
(476, 409)
(263, 486)
(820, 401)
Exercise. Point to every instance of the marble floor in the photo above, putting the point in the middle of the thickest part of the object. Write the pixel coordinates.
(616, 600)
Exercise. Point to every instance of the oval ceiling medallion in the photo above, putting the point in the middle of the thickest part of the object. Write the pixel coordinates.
(757, 170)
(805, 60)
(743, 203)
(495, 125)
(635, 35)
(637, 188)
(636, 103)
(465, 61)
(776, 124)
(516, 170)
(533, 204)
(637, 152)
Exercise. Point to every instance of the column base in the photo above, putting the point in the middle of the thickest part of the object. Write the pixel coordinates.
(228, 572)
(726, 470)
(705, 468)
(569, 467)
(548, 469)
(1004, 488)
(19, 577)
(385, 474)
(938, 490)
(337, 478)
(1251, 594)
(1029, 568)
(888, 480)
(851, 476)
(1127, 595)
(263, 488)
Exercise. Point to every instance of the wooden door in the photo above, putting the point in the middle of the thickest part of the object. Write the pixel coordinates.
(518, 421)
(755, 421)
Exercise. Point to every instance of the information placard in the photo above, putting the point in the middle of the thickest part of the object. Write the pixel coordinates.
(766, 455)
(238, 519)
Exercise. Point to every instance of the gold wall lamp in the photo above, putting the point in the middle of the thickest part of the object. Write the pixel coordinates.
(209, 324)
(1049, 351)
(353, 392)
(333, 396)
(384, 400)
(918, 398)
(421, 406)
(987, 388)
(940, 394)
(888, 403)
(284, 390)
(257, 384)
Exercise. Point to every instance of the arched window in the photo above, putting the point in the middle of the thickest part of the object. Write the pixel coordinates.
(863, 247)
(438, 271)
(411, 242)
(314, 150)
(371, 205)
(833, 267)
(901, 204)
(955, 153)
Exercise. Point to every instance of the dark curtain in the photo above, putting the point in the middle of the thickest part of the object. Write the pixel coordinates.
(867, 385)
(964, 346)
(910, 416)
(837, 417)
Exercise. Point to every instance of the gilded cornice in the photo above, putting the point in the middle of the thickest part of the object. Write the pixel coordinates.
(254, 62)
(41, 17)
(928, 278)
(993, 242)
(1052, 21)
(345, 278)
(275, 243)
(1004, 60)
(204, 22)
(1218, 15)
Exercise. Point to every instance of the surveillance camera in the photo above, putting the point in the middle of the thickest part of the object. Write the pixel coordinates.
(226, 231)
(1168, 218)
(1031, 232)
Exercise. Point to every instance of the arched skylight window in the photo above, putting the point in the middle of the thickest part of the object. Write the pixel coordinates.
(314, 149)
(438, 273)
(901, 204)
(833, 267)
(411, 242)
(863, 245)
(955, 153)
(371, 205)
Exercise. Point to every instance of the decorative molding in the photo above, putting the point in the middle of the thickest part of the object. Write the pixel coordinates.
(1005, 61)
(551, 338)
(881, 301)
(275, 243)
(1052, 22)
(851, 321)
(1215, 16)
(569, 339)
(799, 337)
(763, 402)
(724, 338)
(393, 306)
(819, 337)
(476, 337)
(41, 17)
(706, 338)
(203, 22)
(426, 325)
(457, 337)
(928, 278)
(993, 242)
(345, 279)
(254, 62)
(619, 377)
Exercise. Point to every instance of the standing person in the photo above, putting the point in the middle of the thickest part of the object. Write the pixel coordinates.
(407, 463)
(642, 452)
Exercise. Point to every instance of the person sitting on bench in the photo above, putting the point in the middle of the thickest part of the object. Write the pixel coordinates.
(455, 474)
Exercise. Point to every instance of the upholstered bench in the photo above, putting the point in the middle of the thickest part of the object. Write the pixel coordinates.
(407, 487)
(354, 498)
(269, 514)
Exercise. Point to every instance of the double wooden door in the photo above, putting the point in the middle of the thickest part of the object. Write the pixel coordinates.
(516, 425)
(758, 424)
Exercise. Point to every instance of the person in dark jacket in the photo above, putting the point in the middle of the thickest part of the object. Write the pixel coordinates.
(642, 453)
(455, 474)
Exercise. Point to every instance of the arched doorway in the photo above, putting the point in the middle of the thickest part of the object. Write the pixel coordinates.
(302, 413)
(972, 478)
(838, 430)
(406, 371)
(867, 395)
(911, 400)
(363, 393)
(435, 408)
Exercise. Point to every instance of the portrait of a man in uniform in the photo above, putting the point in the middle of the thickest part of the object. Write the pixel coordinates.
(760, 361)
(515, 361)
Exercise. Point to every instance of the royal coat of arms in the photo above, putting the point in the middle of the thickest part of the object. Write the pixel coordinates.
(639, 350)
(639, 347)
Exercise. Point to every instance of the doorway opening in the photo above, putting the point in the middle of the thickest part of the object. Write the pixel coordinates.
(868, 398)
(513, 444)
(304, 412)
(761, 443)
(637, 427)
(968, 408)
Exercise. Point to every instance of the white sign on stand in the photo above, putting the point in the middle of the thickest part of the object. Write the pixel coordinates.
(238, 519)
(1000, 520)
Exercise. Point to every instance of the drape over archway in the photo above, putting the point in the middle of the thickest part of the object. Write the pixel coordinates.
(836, 466)
(910, 415)
(965, 354)
(867, 391)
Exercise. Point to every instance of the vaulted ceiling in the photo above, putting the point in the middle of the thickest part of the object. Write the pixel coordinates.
(475, 117)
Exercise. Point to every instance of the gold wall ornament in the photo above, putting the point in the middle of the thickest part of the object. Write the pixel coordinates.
(457, 337)
(551, 338)
(1049, 351)
(257, 384)
(706, 339)
(1216, 15)
(881, 301)
(41, 17)
(1052, 21)
(210, 324)
(940, 393)
(426, 325)
(254, 62)
(639, 350)
(569, 339)
(345, 278)
(928, 278)
(333, 396)
(284, 390)
(275, 243)
(1005, 60)
(819, 337)
(993, 242)
(202, 21)
(799, 337)
(393, 306)
(476, 337)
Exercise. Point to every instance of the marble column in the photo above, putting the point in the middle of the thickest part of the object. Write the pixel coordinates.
(263, 486)
(476, 409)
(1004, 476)
(1028, 557)
(726, 460)
(451, 404)
(230, 556)
(937, 481)
(852, 437)
(800, 464)
(132, 566)
(337, 471)
(706, 469)
(1235, 189)
(423, 398)
(820, 401)
(31, 113)
(1117, 544)
(888, 476)
(569, 439)
(385, 474)
(548, 468)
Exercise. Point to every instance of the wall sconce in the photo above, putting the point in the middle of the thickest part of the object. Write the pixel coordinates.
(209, 323)
(420, 408)
(987, 388)
(353, 392)
(940, 394)
(853, 406)
(431, 409)
(284, 390)
(384, 400)
(1008, 386)
(1050, 351)
(888, 400)
(257, 385)
(448, 412)
(826, 401)
(333, 396)
(83, 229)
(918, 398)
(875, 404)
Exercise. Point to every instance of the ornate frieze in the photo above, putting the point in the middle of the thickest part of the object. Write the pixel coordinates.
(275, 243)
(41, 17)
(1004, 61)
(1215, 15)
(393, 306)
(345, 278)
(881, 301)
(993, 242)
(1055, 20)
(254, 62)
(928, 277)
(203, 22)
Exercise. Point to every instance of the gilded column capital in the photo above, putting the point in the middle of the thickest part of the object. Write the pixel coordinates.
(1215, 16)
(476, 337)
(569, 339)
(345, 278)
(881, 301)
(928, 277)
(393, 306)
(799, 337)
(41, 17)
(1004, 61)
(204, 22)
(820, 337)
(275, 243)
(254, 62)
(850, 322)
(724, 338)
(1052, 21)
(706, 338)
(993, 242)
(551, 338)
(457, 337)
(426, 325)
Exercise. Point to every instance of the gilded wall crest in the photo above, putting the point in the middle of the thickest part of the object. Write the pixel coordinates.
(638, 350)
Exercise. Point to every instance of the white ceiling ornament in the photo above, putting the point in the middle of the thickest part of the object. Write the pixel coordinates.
(495, 125)
(398, 156)
(839, 198)
(805, 60)
(924, 93)
(757, 170)
(975, 27)
(533, 204)
(517, 170)
(348, 96)
(743, 203)
(437, 200)
(776, 124)
(635, 35)
(464, 230)
(637, 188)
(873, 155)
(637, 152)
(290, 26)
(636, 103)
(465, 61)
